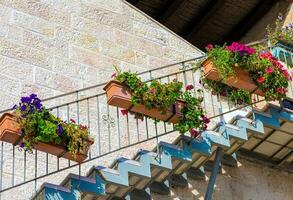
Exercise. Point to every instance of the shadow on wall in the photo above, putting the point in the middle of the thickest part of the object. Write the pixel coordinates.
(248, 181)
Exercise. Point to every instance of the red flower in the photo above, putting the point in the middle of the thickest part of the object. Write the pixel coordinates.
(209, 47)
(266, 55)
(73, 121)
(269, 70)
(205, 119)
(194, 133)
(124, 112)
(113, 75)
(189, 87)
(261, 79)
(281, 90)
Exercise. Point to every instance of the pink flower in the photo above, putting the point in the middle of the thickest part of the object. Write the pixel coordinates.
(73, 121)
(209, 47)
(124, 111)
(152, 91)
(194, 133)
(281, 90)
(269, 70)
(189, 87)
(113, 75)
(261, 79)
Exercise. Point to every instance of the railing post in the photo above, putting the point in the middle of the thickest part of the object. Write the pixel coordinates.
(209, 192)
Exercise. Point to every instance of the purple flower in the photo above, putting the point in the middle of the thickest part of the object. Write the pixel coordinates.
(60, 129)
(21, 145)
(23, 108)
(25, 100)
(33, 96)
(280, 17)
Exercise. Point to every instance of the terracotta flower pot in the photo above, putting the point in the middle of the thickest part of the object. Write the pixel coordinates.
(10, 132)
(79, 157)
(119, 95)
(242, 79)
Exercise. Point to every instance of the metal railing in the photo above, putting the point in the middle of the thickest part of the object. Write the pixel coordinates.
(112, 132)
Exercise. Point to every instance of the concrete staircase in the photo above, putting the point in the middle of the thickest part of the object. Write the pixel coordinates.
(150, 172)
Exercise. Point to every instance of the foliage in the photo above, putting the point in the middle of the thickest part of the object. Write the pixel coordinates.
(164, 95)
(39, 125)
(234, 95)
(266, 71)
(279, 32)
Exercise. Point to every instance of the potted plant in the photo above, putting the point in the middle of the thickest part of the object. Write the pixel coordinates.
(242, 67)
(166, 102)
(32, 126)
(280, 33)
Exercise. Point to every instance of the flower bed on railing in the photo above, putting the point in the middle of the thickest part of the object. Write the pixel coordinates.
(166, 102)
(280, 33)
(32, 126)
(238, 70)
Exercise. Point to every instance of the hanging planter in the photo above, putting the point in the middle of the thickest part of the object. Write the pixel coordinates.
(160, 101)
(239, 71)
(31, 126)
(241, 79)
(119, 95)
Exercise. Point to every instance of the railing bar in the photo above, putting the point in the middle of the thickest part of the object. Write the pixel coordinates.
(137, 129)
(109, 132)
(58, 159)
(13, 163)
(213, 106)
(99, 126)
(146, 125)
(24, 166)
(118, 126)
(77, 107)
(88, 124)
(68, 119)
(128, 132)
(36, 169)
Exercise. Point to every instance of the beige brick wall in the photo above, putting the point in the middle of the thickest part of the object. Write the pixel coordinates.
(44, 42)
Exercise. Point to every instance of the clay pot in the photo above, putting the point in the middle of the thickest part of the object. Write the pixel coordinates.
(242, 79)
(119, 95)
(10, 132)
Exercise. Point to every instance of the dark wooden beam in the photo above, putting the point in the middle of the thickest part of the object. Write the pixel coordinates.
(249, 20)
(133, 2)
(169, 8)
(201, 18)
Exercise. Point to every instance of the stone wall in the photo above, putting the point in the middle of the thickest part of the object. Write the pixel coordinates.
(249, 181)
(51, 47)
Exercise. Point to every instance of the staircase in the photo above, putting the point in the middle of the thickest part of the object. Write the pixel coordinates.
(151, 171)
